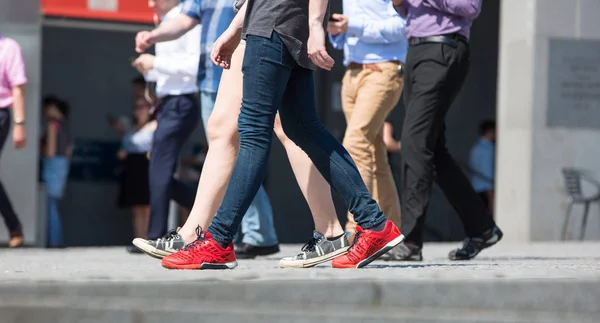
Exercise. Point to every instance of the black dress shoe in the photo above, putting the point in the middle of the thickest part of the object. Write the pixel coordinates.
(133, 249)
(404, 252)
(472, 246)
(248, 251)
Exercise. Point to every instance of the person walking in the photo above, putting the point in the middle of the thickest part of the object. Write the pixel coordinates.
(12, 84)
(371, 33)
(174, 69)
(222, 129)
(284, 41)
(436, 67)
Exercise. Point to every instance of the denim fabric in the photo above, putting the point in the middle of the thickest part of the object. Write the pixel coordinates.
(55, 173)
(257, 226)
(54, 224)
(274, 81)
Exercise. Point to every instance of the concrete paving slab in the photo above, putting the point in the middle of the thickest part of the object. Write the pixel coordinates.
(544, 282)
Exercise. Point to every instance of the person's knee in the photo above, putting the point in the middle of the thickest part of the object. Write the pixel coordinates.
(221, 131)
(257, 125)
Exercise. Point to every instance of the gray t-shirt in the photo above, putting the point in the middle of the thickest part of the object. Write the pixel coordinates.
(289, 18)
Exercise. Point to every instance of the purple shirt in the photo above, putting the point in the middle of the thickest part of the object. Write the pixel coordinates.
(12, 70)
(439, 17)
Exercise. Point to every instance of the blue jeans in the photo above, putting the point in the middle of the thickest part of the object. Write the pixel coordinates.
(273, 81)
(55, 173)
(257, 226)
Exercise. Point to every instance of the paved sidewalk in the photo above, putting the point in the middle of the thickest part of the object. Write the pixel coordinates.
(544, 282)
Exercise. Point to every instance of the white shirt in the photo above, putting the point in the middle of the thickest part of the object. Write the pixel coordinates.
(176, 62)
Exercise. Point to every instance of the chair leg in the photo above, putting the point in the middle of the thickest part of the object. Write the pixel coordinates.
(567, 220)
(586, 212)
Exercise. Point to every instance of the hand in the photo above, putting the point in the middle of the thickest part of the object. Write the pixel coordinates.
(340, 26)
(393, 146)
(144, 63)
(224, 47)
(316, 48)
(19, 136)
(143, 41)
(121, 154)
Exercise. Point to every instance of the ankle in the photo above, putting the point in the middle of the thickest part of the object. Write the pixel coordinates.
(187, 235)
(330, 230)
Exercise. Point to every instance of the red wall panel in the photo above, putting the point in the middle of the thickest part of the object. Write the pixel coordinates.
(135, 11)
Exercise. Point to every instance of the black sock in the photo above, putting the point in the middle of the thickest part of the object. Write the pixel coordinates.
(335, 238)
(379, 227)
(222, 244)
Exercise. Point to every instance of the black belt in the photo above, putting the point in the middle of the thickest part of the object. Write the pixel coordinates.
(191, 96)
(450, 39)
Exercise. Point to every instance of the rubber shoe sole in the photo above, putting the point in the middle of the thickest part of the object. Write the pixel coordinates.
(151, 251)
(313, 262)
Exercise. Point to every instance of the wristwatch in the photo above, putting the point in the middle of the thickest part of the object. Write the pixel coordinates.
(20, 122)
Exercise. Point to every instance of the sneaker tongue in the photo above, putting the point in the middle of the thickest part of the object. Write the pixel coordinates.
(317, 235)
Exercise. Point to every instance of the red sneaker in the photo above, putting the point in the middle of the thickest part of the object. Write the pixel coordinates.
(368, 246)
(204, 253)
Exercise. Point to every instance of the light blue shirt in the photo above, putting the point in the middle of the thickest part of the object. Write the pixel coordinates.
(482, 161)
(215, 16)
(375, 33)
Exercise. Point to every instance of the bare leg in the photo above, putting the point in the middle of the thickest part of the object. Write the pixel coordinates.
(319, 196)
(141, 216)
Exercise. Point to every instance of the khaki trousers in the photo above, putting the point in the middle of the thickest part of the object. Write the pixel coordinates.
(368, 96)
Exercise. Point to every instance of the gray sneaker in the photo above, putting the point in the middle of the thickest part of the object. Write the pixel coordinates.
(316, 251)
(161, 247)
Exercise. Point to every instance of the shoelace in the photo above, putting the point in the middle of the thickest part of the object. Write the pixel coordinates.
(199, 240)
(356, 246)
(310, 245)
(169, 236)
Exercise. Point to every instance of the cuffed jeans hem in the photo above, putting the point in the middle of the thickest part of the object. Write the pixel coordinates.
(373, 223)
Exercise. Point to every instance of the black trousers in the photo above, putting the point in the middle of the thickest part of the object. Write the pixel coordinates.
(177, 119)
(434, 74)
(6, 210)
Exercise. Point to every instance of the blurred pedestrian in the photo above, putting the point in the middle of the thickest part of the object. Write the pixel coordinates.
(57, 150)
(135, 188)
(482, 160)
(12, 84)
(174, 68)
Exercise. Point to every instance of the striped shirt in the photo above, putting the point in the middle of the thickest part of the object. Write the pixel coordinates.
(215, 16)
